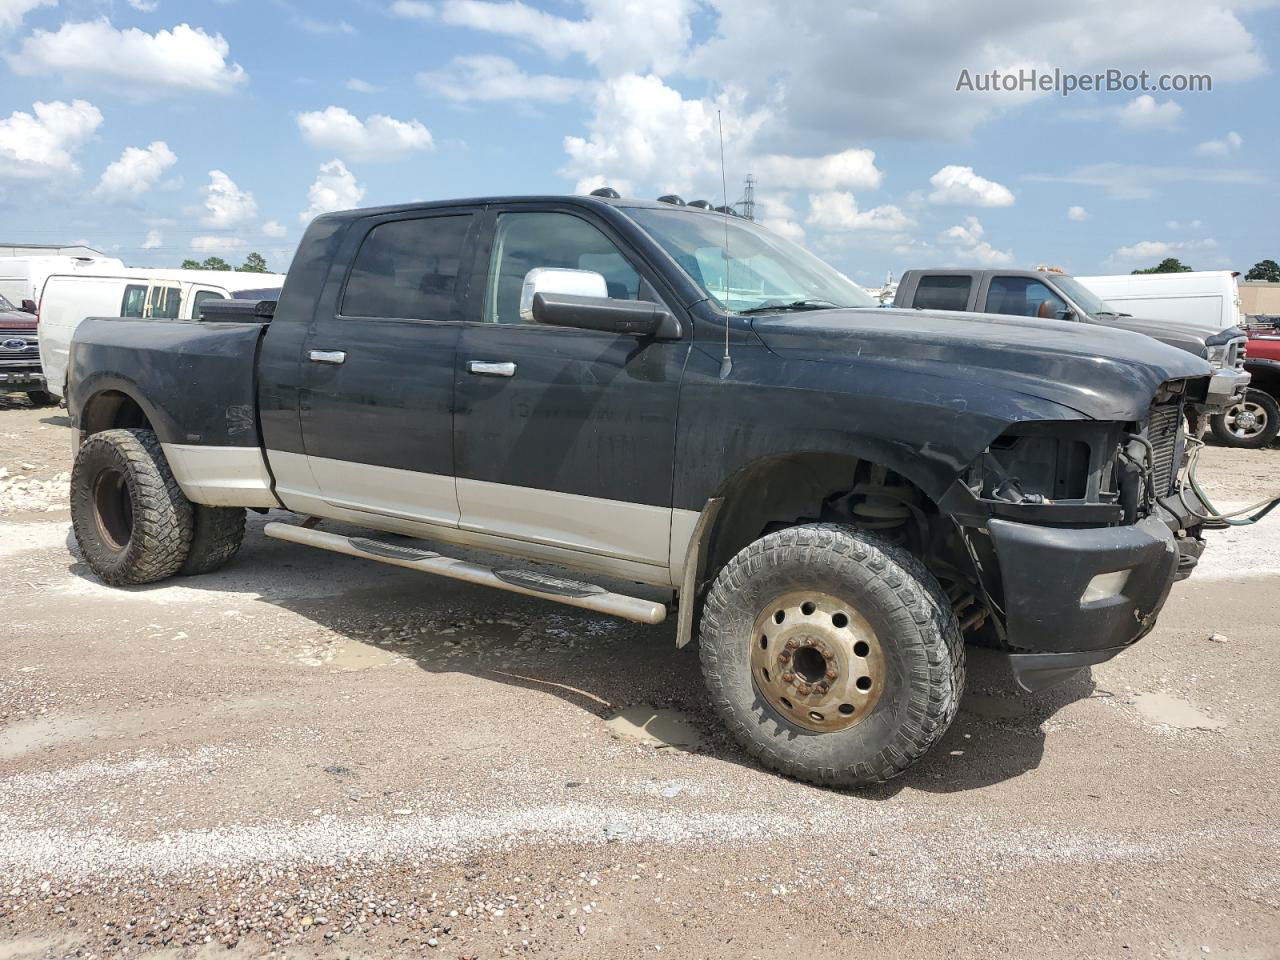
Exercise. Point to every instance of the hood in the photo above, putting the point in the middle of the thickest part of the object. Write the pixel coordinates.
(1099, 372)
(17, 320)
(1176, 333)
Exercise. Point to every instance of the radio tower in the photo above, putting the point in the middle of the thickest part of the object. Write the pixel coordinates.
(748, 202)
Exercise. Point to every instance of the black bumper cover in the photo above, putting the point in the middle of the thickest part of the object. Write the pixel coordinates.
(1052, 630)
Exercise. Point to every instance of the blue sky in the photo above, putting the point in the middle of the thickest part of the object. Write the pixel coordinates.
(168, 130)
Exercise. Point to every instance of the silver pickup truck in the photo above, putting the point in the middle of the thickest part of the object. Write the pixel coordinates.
(1052, 295)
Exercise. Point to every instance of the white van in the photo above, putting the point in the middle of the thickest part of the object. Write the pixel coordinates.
(1209, 299)
(22, 278)
(172, 294)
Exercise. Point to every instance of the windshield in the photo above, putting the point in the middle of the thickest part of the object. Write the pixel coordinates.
(744, 267)
(1088, 301)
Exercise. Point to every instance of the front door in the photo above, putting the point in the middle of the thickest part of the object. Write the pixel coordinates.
(564, 436)
(376, 406)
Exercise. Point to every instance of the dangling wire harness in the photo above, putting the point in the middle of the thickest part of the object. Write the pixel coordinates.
(1216, 518)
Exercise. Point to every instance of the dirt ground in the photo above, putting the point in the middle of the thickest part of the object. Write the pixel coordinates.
(310, 755)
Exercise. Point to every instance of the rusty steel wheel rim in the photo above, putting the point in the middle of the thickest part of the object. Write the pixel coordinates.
(817, 661)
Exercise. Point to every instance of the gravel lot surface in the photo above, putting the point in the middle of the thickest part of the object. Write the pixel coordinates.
(310, 755)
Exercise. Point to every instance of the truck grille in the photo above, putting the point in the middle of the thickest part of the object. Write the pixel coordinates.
(1236, 351)
(1163, 431)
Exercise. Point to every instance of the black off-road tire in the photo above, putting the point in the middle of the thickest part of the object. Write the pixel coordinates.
(218, 533)
(1270, 408)
(41, 398)
(132, 521)
(922, 649)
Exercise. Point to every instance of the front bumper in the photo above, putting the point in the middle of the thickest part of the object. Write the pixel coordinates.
(22, 380)
(1075, 597)
(1225, 388)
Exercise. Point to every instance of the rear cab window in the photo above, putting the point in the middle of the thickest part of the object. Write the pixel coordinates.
(408, 269)
(943, 292)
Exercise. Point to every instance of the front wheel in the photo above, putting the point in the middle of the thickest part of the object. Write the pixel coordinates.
(832, 655)
(1251, 424)
(130, 518)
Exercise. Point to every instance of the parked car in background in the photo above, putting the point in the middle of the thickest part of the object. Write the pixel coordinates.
(22, 278)
(1206, 300)
(20, 354)
(1052, 295)
(164, 294)
(833, 494)
(1254, 422)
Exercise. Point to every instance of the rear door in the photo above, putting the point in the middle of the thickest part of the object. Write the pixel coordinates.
(564, 436)
(164, 301)
(376, 405)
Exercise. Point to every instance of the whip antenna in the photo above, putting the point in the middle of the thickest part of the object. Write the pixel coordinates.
(726, 362)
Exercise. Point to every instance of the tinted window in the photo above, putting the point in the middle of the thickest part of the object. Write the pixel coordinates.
(200, 297)
(408, 268)
(526, 241)
(135, 298)
(1024, 297)
(943, 293)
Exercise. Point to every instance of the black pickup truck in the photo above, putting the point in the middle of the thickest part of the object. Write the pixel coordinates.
(1054, 295)
(833, 496)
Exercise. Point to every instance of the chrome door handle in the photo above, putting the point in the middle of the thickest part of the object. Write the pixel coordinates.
(327, 356)
(491, 368)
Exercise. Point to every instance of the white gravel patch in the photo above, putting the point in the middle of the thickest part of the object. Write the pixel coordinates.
(19, 492)
(18, 538)
(1236, 553)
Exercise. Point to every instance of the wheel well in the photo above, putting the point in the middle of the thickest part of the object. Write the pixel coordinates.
(111, 410)
(806, 488)
(1266, 379)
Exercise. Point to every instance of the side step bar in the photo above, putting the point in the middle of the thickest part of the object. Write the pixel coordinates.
(575, 593)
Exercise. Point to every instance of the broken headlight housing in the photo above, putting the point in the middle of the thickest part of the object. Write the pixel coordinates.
(1040, 463)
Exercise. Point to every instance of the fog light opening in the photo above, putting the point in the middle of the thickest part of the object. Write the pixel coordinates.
(1105, 586)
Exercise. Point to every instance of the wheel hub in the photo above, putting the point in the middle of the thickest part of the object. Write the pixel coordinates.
(817, 661)
(1247, 419)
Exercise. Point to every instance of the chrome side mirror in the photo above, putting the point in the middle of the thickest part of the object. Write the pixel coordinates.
(559, 280)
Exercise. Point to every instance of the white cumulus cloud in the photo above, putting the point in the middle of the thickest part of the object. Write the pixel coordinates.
(1228, 145)
(485, 77)
(273, 228)
(1077, 213)
(376, 138)
(959, 186)
(616, 36)
(217, 244)
(12, 12)
(41, 145)
(227, 204)
(968, 245)
(139, 64)
(853, 169)
(1144, 112)
(334, 188)
(136, 172)
(152, 240)
(838, 211)
(413, 10)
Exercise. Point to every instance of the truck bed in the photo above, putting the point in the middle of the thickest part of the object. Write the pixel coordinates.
(201, 387)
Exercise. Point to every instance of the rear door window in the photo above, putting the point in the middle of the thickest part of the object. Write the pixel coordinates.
(408, 269)
(134, 301)
(200, 296)
(164, 302)
(943, 292)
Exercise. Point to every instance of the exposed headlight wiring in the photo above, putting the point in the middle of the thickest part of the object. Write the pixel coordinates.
(1216, 517)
